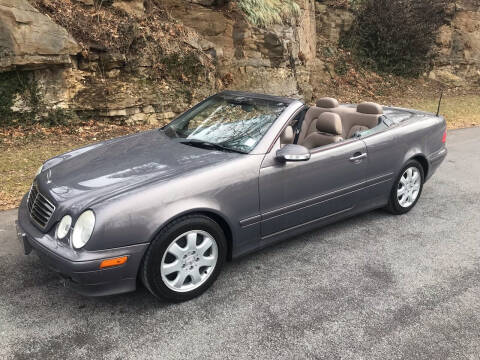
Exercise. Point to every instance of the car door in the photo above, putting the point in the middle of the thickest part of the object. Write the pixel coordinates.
(385, 156)
(296, 193)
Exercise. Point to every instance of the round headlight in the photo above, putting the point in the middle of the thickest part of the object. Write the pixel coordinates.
(64, 226)
(39, 170)
(83, 229)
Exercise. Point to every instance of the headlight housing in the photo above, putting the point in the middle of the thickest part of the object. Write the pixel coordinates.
(39, 170)
(63, 227)
(83, 229)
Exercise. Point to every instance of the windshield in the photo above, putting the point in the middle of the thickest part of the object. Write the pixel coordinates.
(232, 122)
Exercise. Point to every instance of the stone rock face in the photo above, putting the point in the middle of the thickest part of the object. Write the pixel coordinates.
(459, 45)
(30, 40)
(447, 77)
(307, 31)
(331, 23)
(252, 58)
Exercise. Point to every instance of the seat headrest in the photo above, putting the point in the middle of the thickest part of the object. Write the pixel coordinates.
(327, 103)
(287, 136)
(370, 108)
(330, 123)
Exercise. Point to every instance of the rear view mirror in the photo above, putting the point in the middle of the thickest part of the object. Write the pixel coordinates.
(293, 152)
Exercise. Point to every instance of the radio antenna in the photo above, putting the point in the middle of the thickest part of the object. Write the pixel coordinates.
(439, 103)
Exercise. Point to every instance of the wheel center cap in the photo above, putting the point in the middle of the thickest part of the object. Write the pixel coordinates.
(190, 260)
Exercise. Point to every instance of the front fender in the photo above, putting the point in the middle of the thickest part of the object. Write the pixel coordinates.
(191, 206)
(119, 224)
(230, 192)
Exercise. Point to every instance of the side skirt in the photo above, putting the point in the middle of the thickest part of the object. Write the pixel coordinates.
(307, 227)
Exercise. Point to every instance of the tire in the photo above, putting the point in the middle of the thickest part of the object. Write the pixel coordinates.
(401, 204)
(184, 259)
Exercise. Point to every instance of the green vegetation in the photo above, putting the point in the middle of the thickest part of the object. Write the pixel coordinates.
(263, 13)
(17, 86)
(396, 36)
(20, 88)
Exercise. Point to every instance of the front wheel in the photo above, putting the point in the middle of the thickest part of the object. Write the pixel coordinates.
(185, 258)
(407, 188)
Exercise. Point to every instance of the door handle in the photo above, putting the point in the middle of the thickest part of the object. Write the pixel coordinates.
(358, 156)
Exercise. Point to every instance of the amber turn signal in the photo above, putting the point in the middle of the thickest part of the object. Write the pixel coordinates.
(113, 262)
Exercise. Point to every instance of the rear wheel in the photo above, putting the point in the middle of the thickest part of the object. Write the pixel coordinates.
(407, 188)
(185, 258)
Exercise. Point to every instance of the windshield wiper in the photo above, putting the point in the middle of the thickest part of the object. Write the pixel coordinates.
(210, 145)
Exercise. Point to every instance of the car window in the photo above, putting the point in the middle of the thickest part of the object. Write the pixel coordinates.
(234, 122)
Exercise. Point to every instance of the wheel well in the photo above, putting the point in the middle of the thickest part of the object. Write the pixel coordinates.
(423, 161)
(218, 219)
(225, 227)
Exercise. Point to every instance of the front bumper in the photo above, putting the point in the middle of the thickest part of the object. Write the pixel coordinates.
(81, 269)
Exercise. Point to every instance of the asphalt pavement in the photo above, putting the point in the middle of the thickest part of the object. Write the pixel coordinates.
(375, 286)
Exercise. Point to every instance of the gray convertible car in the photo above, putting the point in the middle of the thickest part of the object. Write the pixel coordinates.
(237, 172)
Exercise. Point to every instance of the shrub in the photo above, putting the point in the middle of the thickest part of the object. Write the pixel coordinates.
(20, 88)
(263, 13)
(396, 36)
(17, 86)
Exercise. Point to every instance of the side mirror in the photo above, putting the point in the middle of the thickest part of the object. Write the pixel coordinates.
(293, 152)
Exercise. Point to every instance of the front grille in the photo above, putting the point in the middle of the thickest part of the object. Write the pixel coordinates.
(39, 207)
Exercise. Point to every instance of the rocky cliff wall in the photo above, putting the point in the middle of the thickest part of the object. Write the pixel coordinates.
(458, 45)
(29, 39)
(147, 65)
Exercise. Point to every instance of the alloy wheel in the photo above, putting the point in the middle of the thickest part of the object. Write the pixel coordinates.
(409, 187)
(189, 261)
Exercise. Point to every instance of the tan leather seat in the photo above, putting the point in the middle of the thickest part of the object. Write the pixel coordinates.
(370, 108)
(329, 130)
(364, 117)
(309, 123)
(327, 103)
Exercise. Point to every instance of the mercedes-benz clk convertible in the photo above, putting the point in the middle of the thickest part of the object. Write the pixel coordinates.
(235, 173)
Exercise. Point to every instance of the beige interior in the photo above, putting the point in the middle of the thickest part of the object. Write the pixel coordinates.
(328, 131)
(323, 105)
(327, 102)
(365, 116)
(369, 108)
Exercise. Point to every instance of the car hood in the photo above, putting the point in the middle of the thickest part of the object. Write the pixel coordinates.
(101, 170)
